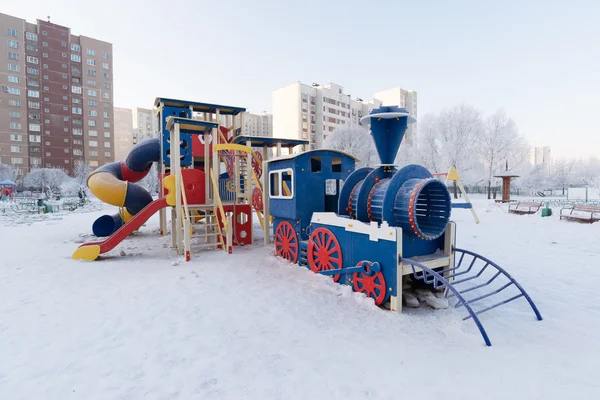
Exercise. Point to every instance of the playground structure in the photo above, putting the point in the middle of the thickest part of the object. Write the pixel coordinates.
(392, 226)
(209, 208)
(453, 176)
(6, 189)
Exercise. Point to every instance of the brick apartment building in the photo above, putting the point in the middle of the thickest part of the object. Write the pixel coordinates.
(56, 96)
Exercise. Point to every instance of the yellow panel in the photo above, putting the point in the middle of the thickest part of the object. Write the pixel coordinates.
(107, 188)
(88, 253)
(453, 175)
(169, 185)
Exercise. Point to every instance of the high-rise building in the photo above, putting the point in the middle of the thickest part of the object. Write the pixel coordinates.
(541, 155)
(123, 132)
(312, 112)
(56, 96)
(145, 124)
(402, 98)
(258, 124)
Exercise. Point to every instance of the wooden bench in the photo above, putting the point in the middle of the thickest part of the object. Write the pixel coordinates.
(524, 207)
(592, 213)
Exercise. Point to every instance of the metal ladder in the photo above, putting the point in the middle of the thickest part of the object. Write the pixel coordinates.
(470, 268)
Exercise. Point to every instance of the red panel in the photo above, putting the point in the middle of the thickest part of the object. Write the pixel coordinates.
(242, 223)
(198, 145)
(194, 181)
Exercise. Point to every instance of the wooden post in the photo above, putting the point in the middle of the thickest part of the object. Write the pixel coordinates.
(265, 196)
(176, 170)
(396, 301)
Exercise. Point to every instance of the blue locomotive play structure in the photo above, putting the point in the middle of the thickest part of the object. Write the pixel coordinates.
(377, 228)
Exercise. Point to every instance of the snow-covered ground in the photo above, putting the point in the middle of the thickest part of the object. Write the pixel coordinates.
(143, 324)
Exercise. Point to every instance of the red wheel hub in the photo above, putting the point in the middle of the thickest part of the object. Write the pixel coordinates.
(324, 252)
(286, 242)
(257, 164)
(257, 199)
(369, 283)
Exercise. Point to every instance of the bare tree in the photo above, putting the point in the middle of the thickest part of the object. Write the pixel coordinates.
(7, 172)
(563, 172)
(430, 151)
(81, 172)
(48, 180)
(355, 141)
(498, 144)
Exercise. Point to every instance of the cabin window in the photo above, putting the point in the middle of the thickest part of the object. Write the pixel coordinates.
(281, 184)
(336, 164)
(315, 164)
(330, 187)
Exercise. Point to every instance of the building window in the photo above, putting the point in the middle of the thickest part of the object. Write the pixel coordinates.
(75, 47)
(46, 88)
(15, 137)
(13, 67)
(77, 141)
(44, 33)
(107, 145)
(92, 103)
(105, 65)
(76, 89)
(14, 114)
(14, 102)
(105, 56)
(45, 55)
(107, 154)
(77, 132)
(45, 66)
(93, 133)
(16, 160)
(65, 108)
(77, 152)
(76, 110)
(315, 164)
(75, 57)
(107, 124)
(12, 32)
(32, 59)
(106, 75)
(91, 72)
(106, 105)
(16, 149)
(31, 47)
(13, 56)
(64, 66)
(91, 92)
(33, 71)
(15, 91)
(13, 44)
(106, 95)
(106, 85)
(33, 93)
(91, 83)
(34, 104)
(45, 44)
(106, 134)
(33, 82)
(35, 127)
(13, 79)
(106, 114)
(93, 143)
(65, 119)
(91, 52)
(63, 44)
(92, 113)
(91, 62)
(35, 138)
(91, 122)
(75, 100)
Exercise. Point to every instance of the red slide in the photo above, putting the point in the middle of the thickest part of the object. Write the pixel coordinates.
(91, 251)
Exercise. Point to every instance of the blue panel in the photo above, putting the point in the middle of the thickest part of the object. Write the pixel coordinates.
(462, 205)
(405, 173)
(361, 210)
(349, 184)
(186, 139)
(388, 133)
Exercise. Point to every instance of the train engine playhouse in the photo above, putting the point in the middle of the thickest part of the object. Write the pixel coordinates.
(382, 228)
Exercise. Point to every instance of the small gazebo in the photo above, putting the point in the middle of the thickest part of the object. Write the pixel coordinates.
(506, 178)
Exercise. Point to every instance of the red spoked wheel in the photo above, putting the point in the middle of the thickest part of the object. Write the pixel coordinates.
(324, 252)
(257, 164)
(257, 199)
(286, 242)
(370, 283)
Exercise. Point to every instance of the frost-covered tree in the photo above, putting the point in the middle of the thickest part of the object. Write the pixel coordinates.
(48, 180)
(498, 144)
(81, 172)
(7, 172)
(150, 181)
(355, 141)
(563, 174)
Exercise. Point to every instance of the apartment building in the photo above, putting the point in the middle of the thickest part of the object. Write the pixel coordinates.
(55, 98)
(402, 98)
(123, 132)
(258, 124)
(541, 155)
(145, 124)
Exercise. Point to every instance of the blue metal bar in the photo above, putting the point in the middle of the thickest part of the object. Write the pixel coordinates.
(524, 293)
(439, 278)
(350, 270)
(469, 278)
(479, 286)
(471, 301)
(494, 306)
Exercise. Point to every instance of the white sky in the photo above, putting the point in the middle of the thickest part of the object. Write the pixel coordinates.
(539, 60)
